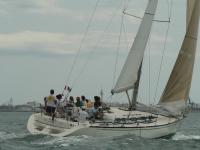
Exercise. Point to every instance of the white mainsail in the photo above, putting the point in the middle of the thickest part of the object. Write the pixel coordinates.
(129, 73)
(176, 92)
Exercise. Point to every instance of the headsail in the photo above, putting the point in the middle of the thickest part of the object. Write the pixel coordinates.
(129, 73)
(176, 92)
(190, 7)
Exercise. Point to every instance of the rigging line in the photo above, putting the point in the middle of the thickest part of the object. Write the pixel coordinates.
(95, 47)
(126, 4)
(155, 20)
(117, 53)
(125, 36)
(168, 4)
(149, 71)
(170, 8)
(149, 76)
(163, 54)
(128, 14)
(123, 23)
(82, 40)
(149, 95)
(109, 98)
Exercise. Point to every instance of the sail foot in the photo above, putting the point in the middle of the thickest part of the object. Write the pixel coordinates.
(175, 108)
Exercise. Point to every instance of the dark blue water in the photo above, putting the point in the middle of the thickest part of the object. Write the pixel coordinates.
(14, 136)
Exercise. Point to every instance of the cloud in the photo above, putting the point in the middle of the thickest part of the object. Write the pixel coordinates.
(10, 6)
(52, 7)
(39, 7)
(63, 43)
(45, 42)
(28, 41)
(56, 7)
(48, 43)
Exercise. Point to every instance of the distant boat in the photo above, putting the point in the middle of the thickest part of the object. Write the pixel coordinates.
(136, 120)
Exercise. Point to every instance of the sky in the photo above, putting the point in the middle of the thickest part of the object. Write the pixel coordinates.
(42, 40)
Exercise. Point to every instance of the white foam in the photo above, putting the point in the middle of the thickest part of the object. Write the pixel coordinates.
(4, 135)
(65, 145)
(180, 136)
(129, 139)
(61, 141)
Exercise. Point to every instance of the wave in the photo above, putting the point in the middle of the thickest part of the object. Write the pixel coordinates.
(181, 136)
(61, 141)
(43, 140)
(5, 135)
(16, 136)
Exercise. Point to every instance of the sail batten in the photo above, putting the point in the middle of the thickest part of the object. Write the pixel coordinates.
(129, 73)
(176, 92)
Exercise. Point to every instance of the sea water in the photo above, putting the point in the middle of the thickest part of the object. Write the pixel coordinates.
(14, 136)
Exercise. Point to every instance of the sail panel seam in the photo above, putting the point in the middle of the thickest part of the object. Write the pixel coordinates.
(191, 37)
(149, 13)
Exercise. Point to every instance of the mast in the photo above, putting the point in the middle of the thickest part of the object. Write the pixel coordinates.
(135, 91)
(130, 74)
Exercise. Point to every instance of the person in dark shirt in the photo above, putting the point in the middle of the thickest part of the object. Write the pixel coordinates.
(97, 102)
(78, 102)
(97, 105)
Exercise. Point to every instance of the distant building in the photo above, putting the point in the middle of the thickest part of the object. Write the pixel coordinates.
(33, 104)
(28, 107)
(6, 108)
(23, 108)
(194, 106)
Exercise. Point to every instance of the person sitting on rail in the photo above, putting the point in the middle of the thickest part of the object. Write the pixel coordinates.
(83, 101)
(89, 104)
(78, 102)
(98, 106)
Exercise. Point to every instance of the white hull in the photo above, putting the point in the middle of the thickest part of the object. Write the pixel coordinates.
(148, 132)
(42, 124)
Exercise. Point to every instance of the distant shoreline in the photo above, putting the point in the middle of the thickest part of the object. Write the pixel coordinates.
(15, 111)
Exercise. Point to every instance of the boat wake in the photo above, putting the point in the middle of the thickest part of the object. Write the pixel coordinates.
(61, 141)
(5, 135)
(181, 136)
(43, 140)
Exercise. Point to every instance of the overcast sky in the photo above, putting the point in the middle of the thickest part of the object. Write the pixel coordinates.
(39, 40)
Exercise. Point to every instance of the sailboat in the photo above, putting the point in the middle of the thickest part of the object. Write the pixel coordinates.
(134, 121)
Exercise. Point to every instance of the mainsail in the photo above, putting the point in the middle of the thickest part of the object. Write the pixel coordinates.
(176, 92)
(129, 73)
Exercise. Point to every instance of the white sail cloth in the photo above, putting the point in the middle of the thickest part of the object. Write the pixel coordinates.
(130, 69)
(176, 92)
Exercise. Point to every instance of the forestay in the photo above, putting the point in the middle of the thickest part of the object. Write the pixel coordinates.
(129, 73)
